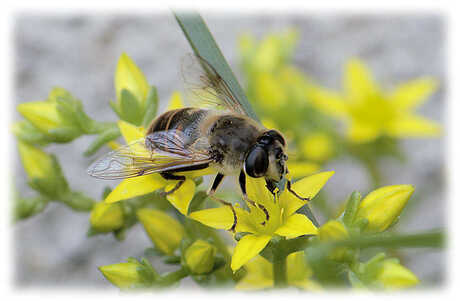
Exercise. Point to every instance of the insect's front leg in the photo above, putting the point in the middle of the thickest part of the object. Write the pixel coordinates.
(289, 188)
(242, 181)
(217, 180)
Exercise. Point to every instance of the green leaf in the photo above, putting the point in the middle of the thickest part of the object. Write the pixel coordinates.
(130, 108)
(204, 45)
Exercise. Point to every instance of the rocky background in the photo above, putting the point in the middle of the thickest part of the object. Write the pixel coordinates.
(79, 53)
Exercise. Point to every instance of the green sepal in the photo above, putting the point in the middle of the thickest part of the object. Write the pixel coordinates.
(151, 107)
(53, 187)
(130, 109)
(64, 134)
(26, 207)
(351, 208)
(115, 108)
(27, 132)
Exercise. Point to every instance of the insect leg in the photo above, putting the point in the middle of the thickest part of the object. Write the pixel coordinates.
(242, 181)
(217, 180)
(295, 193)
(170, 176)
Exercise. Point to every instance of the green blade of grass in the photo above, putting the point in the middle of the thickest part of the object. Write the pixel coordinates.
(204, 45)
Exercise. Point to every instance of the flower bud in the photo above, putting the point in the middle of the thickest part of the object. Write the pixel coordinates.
(382, 206)
(164, 231)
(199, 257)
(334, 230)
(123, 275)
(42, 114)
(37, 163)
(43, 170)
(392, 275)
(106, 217)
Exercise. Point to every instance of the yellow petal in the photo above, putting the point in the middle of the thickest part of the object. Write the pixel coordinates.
(247, 248)
(307, 187)
(297, 225)
(128, 76)
(175, 102)
(245, 222)
(132, 187)
(182, 197)
(328, 102)
(302, 169)
(257, 191)
(413, 93)
(413, 126)
(259, 275)
(394, 276)
(130, 132)
(106, 217)
(219, 218)
(358, 81)
(359, 132)
(165, 232)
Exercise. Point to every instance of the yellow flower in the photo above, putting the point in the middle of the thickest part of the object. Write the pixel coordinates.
(317, 147)
(123, 275)
(382, 206)
(199, 257)
(282, 219)
(259, 273)
(392, 275)
(137, 186)
(106, 217)
(165, 232)
(370, 112)
(128, 76)
(36, 162)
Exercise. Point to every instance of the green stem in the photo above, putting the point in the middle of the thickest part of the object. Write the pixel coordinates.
(279, 267)
(173, 277)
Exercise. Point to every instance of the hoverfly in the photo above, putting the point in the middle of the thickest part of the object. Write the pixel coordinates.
(192, 138)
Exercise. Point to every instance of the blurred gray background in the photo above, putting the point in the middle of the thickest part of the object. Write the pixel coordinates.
(80, 52)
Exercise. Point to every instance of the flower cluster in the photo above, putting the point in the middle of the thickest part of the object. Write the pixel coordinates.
(277, 242)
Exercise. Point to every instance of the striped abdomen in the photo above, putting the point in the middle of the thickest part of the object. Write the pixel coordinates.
(186, 120)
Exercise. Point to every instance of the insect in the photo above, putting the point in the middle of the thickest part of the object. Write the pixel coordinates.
(191, 139)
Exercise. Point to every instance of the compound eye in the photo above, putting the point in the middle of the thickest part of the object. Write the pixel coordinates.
(256, 163)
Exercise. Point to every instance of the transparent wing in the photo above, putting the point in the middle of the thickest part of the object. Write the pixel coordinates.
(206, 88)
(158, 152)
